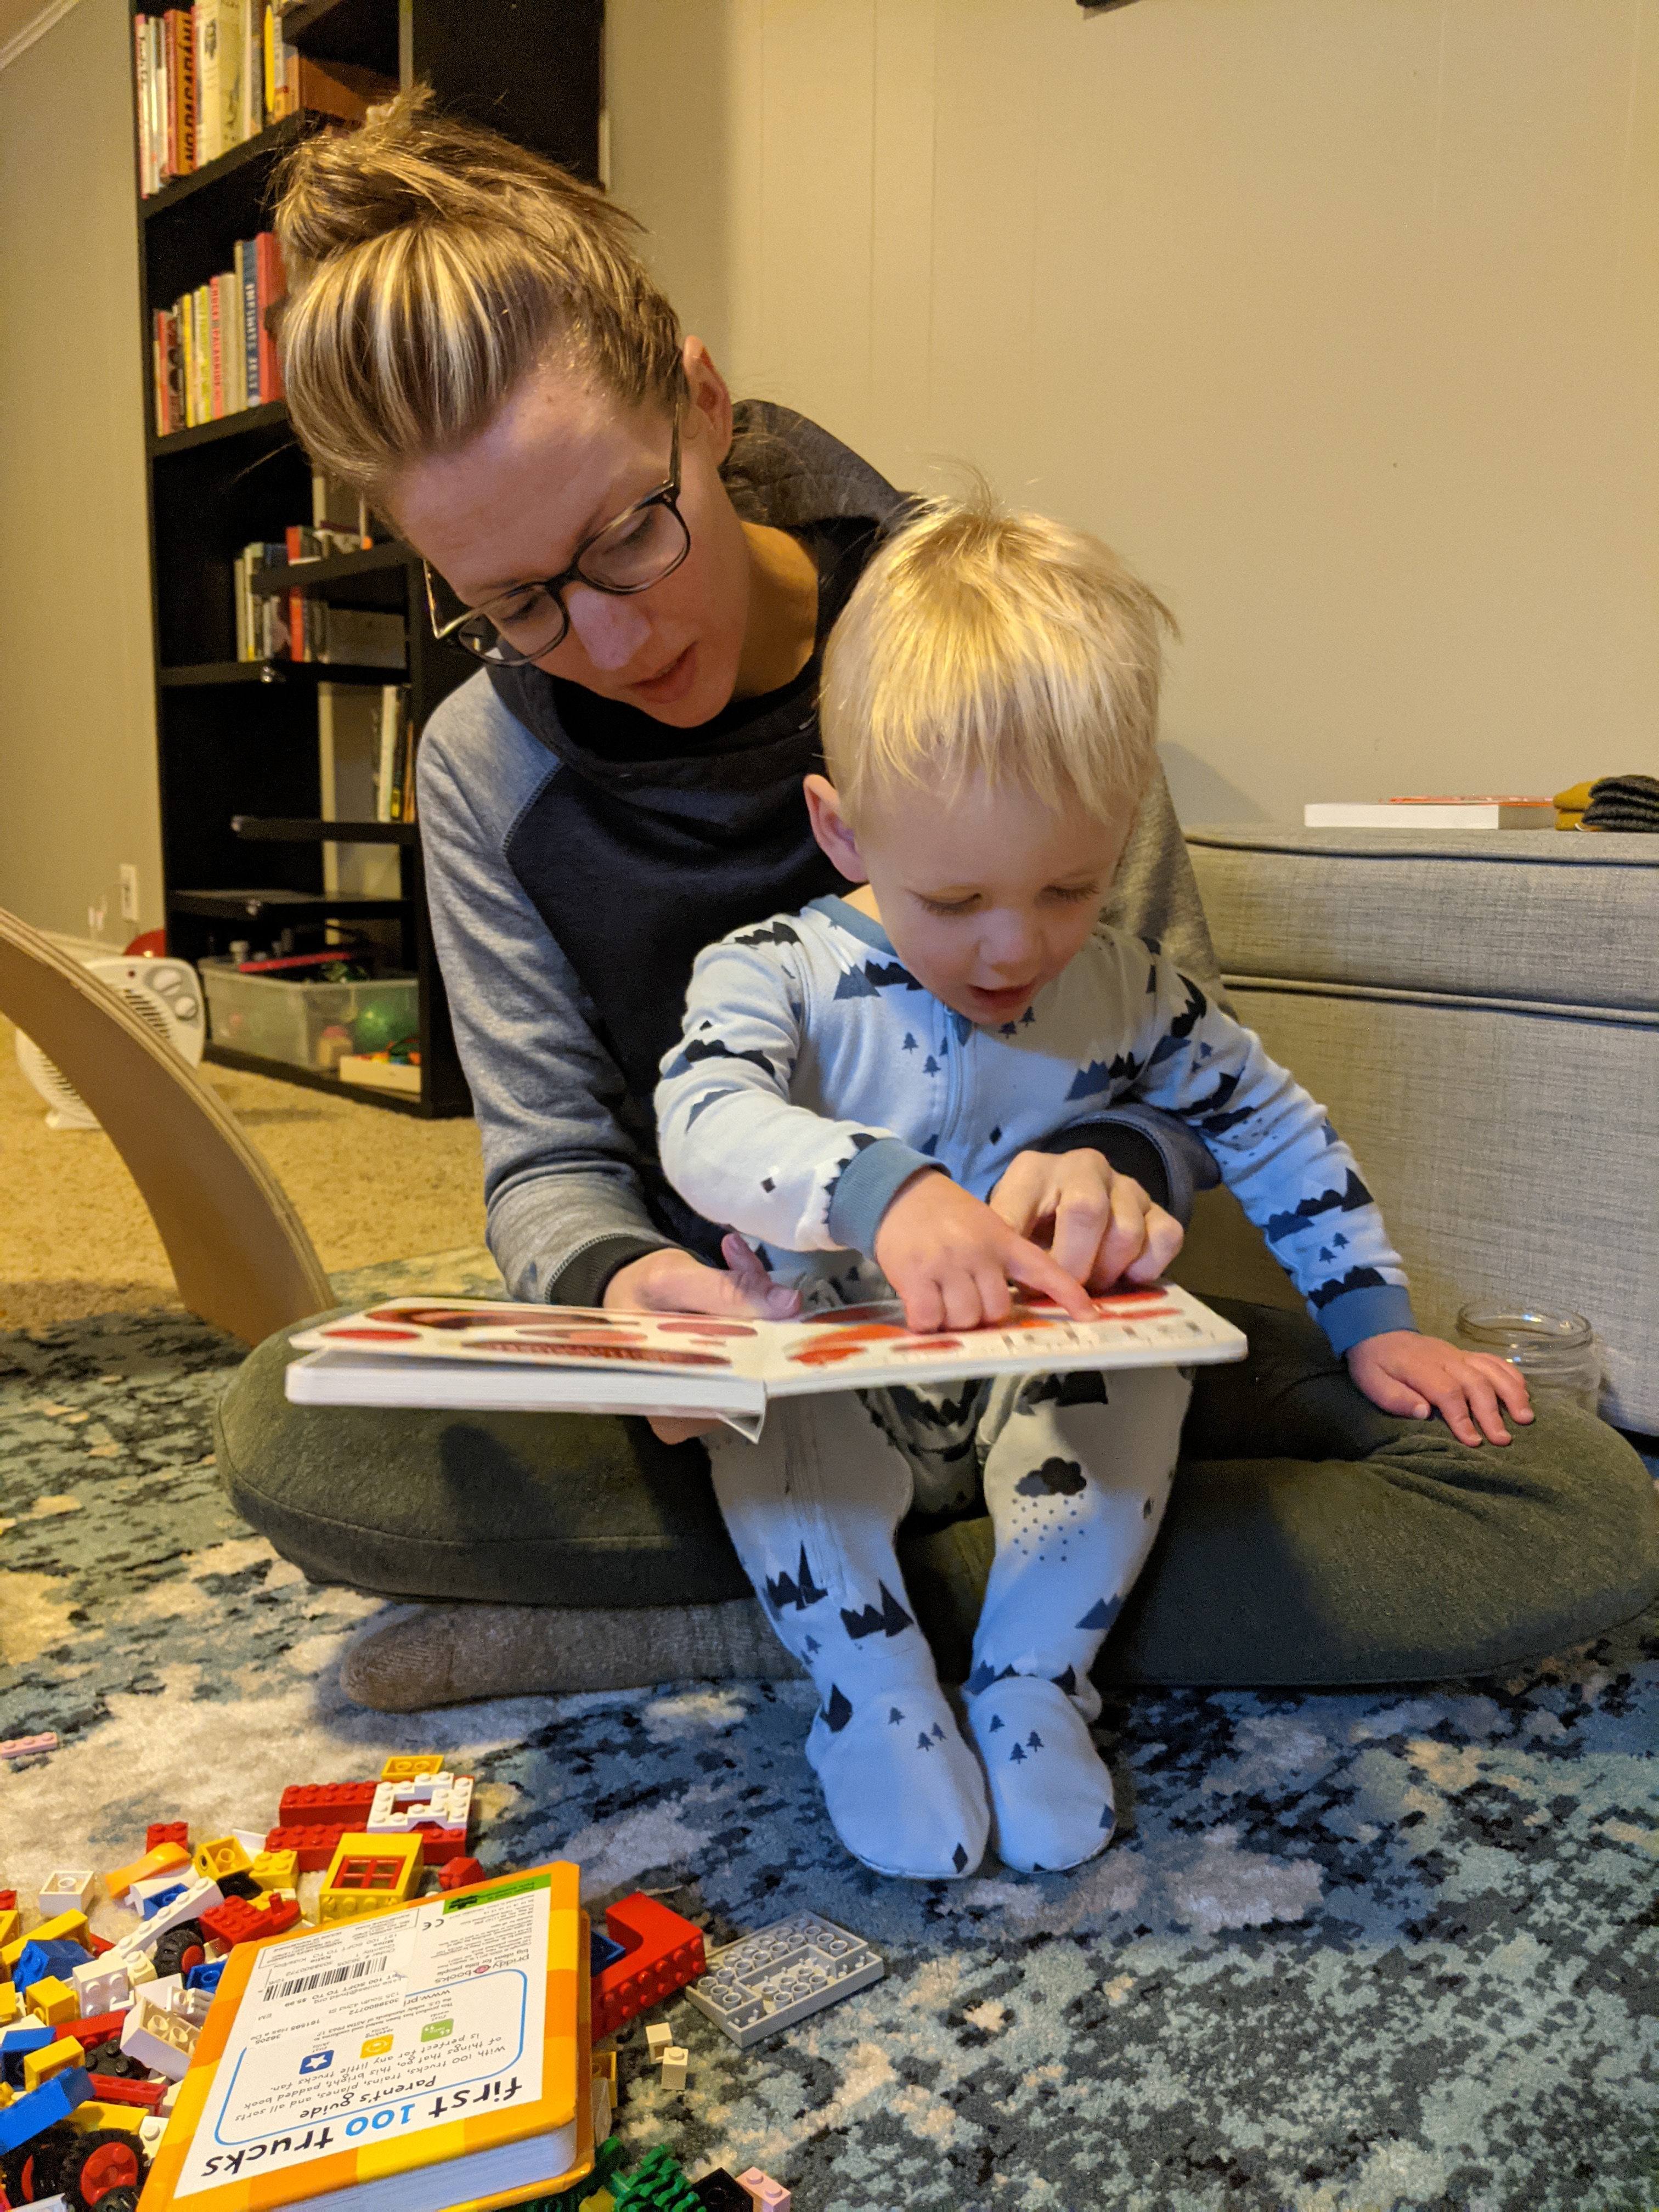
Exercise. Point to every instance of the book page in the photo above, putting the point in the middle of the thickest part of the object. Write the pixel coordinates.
(380, 2032)
(493, 1331)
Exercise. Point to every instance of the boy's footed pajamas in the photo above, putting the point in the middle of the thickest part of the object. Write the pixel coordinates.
(1075, 1472)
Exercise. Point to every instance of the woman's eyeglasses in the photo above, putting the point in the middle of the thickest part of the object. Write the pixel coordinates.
(634, 550)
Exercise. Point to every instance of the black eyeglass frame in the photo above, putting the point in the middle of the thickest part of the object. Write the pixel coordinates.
(504, 655)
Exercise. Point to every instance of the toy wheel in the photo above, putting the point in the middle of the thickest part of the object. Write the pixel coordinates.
(180, 1949)
(110, 2058)
(31, 2172)
(98, 2163)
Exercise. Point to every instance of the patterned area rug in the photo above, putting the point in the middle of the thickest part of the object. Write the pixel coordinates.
(1348, 1952)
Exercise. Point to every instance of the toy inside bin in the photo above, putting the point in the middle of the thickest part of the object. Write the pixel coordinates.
(310, 1025)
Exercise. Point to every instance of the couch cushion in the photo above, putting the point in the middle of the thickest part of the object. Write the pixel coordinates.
(1552, 918)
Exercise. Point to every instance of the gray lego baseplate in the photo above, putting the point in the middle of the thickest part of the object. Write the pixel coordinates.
(780, 1974)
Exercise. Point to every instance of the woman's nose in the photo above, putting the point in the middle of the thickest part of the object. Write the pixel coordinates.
(610, 631)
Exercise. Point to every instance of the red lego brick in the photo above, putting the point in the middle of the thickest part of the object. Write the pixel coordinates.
(102, 2027)
(100, 1944)
(664, 1953)
(439, 1846)
(166, 1832)
(8, 1901)
(459, 1874)
(312, 1847)
(313, 1803)
(236, 1921)
(118, 2089)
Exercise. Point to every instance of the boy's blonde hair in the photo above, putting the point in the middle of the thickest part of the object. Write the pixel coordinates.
(979, 644)
(431, 265)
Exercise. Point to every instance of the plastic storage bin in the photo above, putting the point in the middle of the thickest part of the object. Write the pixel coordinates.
(310, 1025)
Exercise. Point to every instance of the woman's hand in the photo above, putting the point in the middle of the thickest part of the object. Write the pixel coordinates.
(671, 1281)
(1099, 1225)
(1411, 1377)
(949, 1257)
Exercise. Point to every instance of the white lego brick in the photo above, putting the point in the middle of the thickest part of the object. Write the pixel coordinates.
(658, 2037)
(156, 2037)
(151, 2129)
(253, 1840)
(50, 2204)
(199, 1897)
(144, 1893)
(169, 2098)
(674, 2062)
(443, 1801)
(191, 2006)
(102, 1988)
(780, 1975)
(69, 1889)
(140, 1968)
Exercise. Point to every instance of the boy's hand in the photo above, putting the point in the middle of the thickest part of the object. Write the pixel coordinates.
(671, 1281)
(949, 1257)
(1411, 1377)
(1099, 1225)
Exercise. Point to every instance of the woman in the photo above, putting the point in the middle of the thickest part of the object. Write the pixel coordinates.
(647, 574)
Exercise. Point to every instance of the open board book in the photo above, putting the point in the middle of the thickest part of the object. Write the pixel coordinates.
(425, 2058)
(488, 1356)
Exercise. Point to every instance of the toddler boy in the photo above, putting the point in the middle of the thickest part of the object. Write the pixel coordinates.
(858, 1091)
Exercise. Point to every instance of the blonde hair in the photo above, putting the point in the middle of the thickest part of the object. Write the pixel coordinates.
(981, 644)
(431, 265)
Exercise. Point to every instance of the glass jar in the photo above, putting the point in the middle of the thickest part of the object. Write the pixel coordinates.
(1555, 1350)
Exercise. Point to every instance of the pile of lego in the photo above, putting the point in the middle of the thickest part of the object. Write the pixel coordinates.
(95, 2034)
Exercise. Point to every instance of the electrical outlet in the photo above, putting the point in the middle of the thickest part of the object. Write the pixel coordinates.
(129, 891)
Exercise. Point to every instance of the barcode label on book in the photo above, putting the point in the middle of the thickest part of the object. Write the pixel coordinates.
(329, 1978)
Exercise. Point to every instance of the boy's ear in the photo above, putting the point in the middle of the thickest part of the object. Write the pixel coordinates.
(831, 828)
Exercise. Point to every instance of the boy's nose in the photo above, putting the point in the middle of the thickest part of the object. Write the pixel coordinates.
(610, 631)
(1010, 945)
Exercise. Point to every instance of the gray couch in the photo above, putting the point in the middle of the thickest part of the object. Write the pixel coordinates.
(1480, 1013)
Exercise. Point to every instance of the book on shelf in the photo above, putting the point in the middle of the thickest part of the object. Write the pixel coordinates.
(434, 2054)
(485, 1354)
(210, 351)
(213, 76)
(1429, 813)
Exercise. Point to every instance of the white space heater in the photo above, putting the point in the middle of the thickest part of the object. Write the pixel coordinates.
(167, 997)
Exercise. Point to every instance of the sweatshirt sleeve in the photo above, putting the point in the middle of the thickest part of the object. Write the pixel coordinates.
(731, 1142)
(1278, 1154)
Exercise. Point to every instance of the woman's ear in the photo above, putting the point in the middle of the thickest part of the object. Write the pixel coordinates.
(710, 395)
(831, 828)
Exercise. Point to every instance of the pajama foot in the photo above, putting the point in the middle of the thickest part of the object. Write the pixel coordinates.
(903, 1790)
(1051, 1794)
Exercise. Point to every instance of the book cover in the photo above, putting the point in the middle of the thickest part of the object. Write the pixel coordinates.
(233, 122)
(167, 98)
(184, 23)
(204, 296)
(272, 280)
(432, 2055)
(216, 352)
(391, 722)
(247, 294)
(210, 108)
(1431, 814)
(141, 71)
(489, 1354)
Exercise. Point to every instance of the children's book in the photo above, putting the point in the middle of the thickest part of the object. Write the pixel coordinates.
(433, 2056)
(489, 1356)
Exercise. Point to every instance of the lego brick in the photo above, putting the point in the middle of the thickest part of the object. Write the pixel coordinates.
(236, 1921)
(439, 1846)
(408, 1765)
(220, 1856)
(93, 2028)
(52, 2058)
(458, 1873)
(67, 1889)
(205, 1977)
(764, 2194)
(52, 2000)
(782, 1974)
(325, 1804)
(11, 2003)
(657, 2182)
(437, 1800)
(117, 2089)
(192, 1902)
(151, 2129)
(36, 1960)
(275, 1869)
(154, 1896)
(153, 2035)
(312, 1846)
(658, 2037)
(369, 1874)
(24, 1746)
(720, 2191)
(101, 1988)
(675, 2059)
(8, 1901)
(663, 1954)
(166, 1832)
(11, 1927)
(97, 2113)
(25, 2117)
(66, 1927)
(160, 1858)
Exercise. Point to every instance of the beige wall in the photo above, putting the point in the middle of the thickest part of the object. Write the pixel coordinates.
(1339, 317)
(77, 749)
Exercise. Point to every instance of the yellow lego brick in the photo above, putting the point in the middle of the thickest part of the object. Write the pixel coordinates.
(410, 1766)
(7, 2092)
(223, 1854)
(93, 2114)
(11, 1926)
(53, 2000)
(600, 2201)
(11, 2003)
(70, 1925)
(40, 2066)
(277, 1869)
(162, 1859)
(370, 1874)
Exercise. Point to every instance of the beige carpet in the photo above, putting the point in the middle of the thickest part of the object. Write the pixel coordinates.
(369, 1185)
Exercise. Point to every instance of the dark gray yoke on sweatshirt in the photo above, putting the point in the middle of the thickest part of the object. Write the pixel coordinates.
(580, 854)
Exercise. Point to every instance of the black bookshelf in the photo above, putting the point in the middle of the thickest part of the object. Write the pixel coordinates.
(238, 761)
